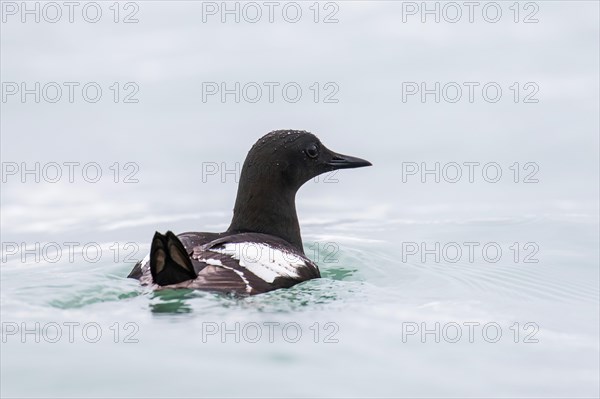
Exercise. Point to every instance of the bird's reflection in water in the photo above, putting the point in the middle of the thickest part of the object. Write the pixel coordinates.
(171, 301)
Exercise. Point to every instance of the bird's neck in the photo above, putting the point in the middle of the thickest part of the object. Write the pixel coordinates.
(261, 209)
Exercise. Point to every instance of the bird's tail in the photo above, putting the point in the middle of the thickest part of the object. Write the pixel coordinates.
(169, 261)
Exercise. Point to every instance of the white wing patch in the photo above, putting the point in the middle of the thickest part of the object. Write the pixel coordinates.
(217, 262)
(264, 261)
(214, 262)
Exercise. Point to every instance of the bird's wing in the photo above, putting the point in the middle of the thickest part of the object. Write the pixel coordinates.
(263, 262)
(245, 263)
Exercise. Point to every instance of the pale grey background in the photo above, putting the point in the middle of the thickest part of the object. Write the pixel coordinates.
(369, 53)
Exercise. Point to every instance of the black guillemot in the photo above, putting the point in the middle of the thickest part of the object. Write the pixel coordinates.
(262, 249)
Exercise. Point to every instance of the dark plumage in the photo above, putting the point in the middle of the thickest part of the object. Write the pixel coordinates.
(262, 248)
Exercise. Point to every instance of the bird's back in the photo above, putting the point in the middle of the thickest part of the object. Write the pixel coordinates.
(243, 263)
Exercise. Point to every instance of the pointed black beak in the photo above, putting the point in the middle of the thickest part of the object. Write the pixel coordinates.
(340, 161)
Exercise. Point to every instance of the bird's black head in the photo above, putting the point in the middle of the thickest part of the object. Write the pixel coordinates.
(275, 168)
(293, 157)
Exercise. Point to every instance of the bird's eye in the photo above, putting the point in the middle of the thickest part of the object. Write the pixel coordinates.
(312, 151)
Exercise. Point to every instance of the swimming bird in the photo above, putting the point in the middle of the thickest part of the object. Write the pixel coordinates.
(262, 249)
